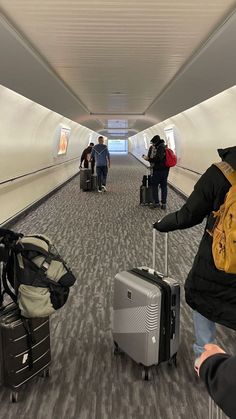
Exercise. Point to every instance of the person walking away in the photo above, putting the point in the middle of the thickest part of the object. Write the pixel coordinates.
(157, 157)
(102, 159)
(209, 291)
(86, 158)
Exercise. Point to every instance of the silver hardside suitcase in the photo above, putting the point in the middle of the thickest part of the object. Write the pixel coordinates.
(146, 314)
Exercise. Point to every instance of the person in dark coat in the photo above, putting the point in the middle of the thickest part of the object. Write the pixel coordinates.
(210, 292)
(157, 157)
(85, 157)
(218, 371)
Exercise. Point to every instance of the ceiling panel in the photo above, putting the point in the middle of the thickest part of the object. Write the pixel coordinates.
(117, 57)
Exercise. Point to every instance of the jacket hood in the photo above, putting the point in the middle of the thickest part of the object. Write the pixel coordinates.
(158, 142)
(229, 155)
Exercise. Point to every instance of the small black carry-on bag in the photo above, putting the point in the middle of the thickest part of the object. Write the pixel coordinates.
(146, 314)
(88, 181)
(85, 179)
(24, 349)
(146, 197)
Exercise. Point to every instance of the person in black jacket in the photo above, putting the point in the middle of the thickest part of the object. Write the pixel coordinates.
(210, 292)
(86, 157)
(218, 370)
(157, 157)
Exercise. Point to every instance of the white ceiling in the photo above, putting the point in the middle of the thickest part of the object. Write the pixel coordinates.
(116, 59)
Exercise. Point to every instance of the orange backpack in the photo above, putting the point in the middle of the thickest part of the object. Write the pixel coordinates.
(224, 229)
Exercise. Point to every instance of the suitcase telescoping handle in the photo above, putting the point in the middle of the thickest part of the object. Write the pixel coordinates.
(154, 252)
(214, 411)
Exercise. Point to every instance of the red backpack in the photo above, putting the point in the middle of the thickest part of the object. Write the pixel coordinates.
(171, 158)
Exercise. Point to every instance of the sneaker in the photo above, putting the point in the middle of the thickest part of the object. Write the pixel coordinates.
(104, 188)
(153, 205)
(163, 206)
(99, 190)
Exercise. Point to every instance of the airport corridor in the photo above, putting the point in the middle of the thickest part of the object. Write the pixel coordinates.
(99, 235)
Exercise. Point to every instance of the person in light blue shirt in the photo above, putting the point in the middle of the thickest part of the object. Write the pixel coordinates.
(102, 159)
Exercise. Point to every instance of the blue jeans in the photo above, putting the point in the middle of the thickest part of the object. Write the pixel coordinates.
(205, 331)
(102, 175)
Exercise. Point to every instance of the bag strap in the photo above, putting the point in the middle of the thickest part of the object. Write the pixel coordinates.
(227, 171)
(1, 288)
(6, 286)
(99, 153)
(24, 247)
(42, 237)
(27, 323)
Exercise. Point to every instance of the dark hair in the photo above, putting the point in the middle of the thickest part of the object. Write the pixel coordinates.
(155, 139)
(91, 144)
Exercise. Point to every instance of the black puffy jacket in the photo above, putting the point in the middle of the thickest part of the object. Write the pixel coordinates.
(209, 291)
(219, 374)
(158, 160)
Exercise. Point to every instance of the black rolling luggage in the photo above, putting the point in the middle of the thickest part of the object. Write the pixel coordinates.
(85, 179)
(88, 181)
(24, 345)
(146, 197)
(146, 315)
(24, 349)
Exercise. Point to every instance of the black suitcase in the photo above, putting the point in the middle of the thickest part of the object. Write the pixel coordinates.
(24, 349)
(146, 196)
(85, 179)
(147, 180)
(88, 181)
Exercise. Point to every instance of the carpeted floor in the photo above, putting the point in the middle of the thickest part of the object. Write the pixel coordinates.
(99, 235)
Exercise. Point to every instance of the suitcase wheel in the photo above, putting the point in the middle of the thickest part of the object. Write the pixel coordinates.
(146, 374)
(117, 349)
(45, 373)
(13, 397)
(173, 360)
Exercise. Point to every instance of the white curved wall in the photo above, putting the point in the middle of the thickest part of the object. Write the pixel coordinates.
(28, 144)
(199, 132)
(28, 135)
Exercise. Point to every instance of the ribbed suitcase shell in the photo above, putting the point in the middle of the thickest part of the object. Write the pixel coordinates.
(14, 349)
(139, 320)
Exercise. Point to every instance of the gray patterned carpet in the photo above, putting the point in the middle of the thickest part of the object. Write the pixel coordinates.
(98, 235)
